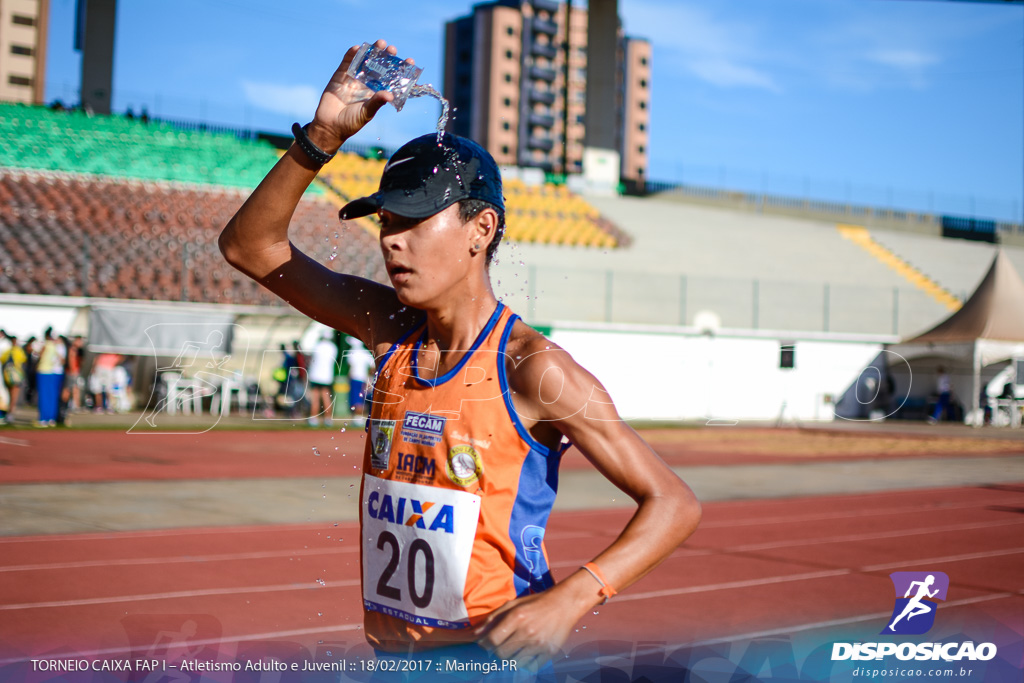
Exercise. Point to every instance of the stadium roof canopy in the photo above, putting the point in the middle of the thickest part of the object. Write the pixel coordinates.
(994, 311)
(988, 328)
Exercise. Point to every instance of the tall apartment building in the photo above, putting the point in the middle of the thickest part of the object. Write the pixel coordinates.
(516, 76)
(23, 26)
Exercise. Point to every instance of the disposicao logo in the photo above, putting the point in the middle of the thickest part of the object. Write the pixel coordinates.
(916, 596)
(913, 614)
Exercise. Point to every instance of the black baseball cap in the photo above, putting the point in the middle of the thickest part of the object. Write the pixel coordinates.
(425, 177)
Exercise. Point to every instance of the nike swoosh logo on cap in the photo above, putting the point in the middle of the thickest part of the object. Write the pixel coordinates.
(391, 164)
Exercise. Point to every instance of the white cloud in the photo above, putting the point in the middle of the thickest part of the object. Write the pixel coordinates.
(902, 58)
(723, 52)
(292, 100)
(725, 73)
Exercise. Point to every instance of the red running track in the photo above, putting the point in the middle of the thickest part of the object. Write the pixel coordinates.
(753, 567)
(111, 455)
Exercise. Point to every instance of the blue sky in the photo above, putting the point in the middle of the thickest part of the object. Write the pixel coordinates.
(917, 104)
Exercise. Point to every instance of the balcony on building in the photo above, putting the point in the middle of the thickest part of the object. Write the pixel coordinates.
(541, 73)
(549, 6)
(542, 120)
(546, 144)
(545, 96)
(528, 161)
(544, 50)
(545, 26)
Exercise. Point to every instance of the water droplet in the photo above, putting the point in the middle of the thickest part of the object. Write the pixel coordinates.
(316, 451)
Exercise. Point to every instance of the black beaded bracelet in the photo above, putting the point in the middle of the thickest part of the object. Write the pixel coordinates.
(306, 145)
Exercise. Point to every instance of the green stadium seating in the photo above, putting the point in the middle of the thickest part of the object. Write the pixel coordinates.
(33, 137)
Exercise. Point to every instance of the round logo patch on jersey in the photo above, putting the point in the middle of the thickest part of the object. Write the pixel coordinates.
(464, 465)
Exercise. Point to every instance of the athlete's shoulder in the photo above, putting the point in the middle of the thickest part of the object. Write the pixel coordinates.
(538, 368)
(527, 344)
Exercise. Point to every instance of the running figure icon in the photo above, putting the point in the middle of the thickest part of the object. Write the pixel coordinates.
(916, 607)
(920, 591)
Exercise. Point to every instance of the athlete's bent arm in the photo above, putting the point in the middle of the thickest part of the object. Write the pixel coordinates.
(533, 628)
(255, 240)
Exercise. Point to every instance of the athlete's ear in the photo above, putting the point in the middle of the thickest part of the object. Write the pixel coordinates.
(483, 228)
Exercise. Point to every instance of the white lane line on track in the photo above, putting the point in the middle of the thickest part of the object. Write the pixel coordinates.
(808, 576)
(225, 557)
(728, 585)
(205, 531)
(114, 534)
(687, 553)
(14, 442)
(874, 536)
(948, 558)
(274, 635)
(178, 595)
(784, 519)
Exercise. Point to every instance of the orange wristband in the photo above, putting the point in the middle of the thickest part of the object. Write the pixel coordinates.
(606, 590)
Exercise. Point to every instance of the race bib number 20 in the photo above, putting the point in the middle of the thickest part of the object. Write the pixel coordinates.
(417, 543)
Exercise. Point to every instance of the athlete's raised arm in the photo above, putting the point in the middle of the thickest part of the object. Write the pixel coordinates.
(256, 242)
(551, 391)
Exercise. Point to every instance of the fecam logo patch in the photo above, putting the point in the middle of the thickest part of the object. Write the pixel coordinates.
(422, 428)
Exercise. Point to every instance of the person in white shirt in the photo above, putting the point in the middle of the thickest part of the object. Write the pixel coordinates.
(322, 368)
(360, 364)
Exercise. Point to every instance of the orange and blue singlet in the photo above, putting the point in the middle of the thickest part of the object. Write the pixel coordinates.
(455, 498)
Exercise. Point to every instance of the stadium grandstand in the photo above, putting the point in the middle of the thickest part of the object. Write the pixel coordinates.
(136, 207)
(101, 207)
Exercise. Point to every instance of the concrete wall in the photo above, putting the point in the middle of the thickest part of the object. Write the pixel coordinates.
(681, 374)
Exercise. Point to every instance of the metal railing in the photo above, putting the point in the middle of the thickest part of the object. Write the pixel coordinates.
(548, 294)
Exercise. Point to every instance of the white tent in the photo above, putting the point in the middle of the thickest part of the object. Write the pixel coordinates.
(988, 329)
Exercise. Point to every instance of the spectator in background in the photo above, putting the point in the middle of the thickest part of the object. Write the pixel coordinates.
(72, 395)
(943, 388)
(297, 381)
(49, 378)
(12, 362)
(31, 349)
(101, 382)
(323, 365)
(121, 382)
(283, 376)
(5, 345)
(360, 362)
